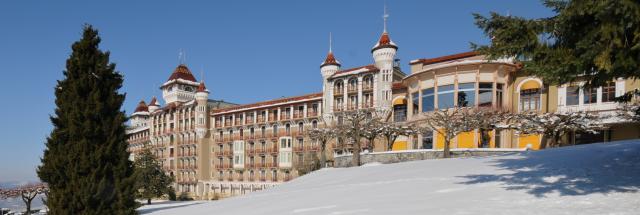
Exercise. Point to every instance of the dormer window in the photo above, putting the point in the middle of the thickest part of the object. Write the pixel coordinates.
(188, 89)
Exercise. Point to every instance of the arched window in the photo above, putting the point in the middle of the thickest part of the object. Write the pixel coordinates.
(287, 129)
(353, 85)
(300, 128)
(338, 87)
(314, 124)
(530, 94)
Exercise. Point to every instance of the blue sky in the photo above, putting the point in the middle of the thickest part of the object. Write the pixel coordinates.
(249, 50)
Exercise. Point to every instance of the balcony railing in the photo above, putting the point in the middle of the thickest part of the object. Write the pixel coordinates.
(311, 113)
(298, 148)
(298, 114)
(352, 89)
(367, 87)
(338, 91)
(285, 116)
(271, 165)
(249, 120)
(261, 119)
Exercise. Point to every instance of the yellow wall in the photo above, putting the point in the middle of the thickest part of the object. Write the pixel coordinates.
(439, 141)
(467, 140)
(533, 139)
(399, 145)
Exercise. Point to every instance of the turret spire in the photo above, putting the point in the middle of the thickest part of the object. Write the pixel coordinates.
(385, 16)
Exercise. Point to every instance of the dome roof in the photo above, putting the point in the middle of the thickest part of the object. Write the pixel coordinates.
(142, 107)
(384, 42)
(330, 60)
(201, 87)
(182, 72)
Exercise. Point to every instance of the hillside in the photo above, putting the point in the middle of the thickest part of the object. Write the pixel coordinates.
(585, 179)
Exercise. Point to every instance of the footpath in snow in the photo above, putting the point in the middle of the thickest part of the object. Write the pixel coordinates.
(599, 178)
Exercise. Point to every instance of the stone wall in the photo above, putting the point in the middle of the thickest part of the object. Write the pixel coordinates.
(413, 155)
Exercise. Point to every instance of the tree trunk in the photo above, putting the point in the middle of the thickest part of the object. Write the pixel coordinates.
(28, 203)
(148, 201)
(356, 151)
(371, 144)
(389, 143)
(446, 152)
(323, 154)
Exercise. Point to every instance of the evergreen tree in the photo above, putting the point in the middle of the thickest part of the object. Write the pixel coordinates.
(592, 40)
(151, 181)
(85, 162)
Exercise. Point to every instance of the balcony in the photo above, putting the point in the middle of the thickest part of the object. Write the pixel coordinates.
(227, 153)
(312, 148)
(271, 165)
(227, 123)
(367, 104)
(285, 116)
(312, 113)
(219, 154)
(272, 117)
(260, 151)
(263, 179)
(272, 150)
(249, 120)
(298, 148)
(338, 92)
(298, 115)
(367, 87)
(352, 107)
(352, 89)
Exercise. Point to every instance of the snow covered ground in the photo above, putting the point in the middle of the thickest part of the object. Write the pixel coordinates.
(586, 179)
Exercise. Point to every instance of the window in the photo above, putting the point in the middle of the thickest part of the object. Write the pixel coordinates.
(415, 102)
(445, 96)
(399, 113)
(499, 95)
(428, 100)
(427, 140)
(573, 95)
(609, 92)
(590, 96)
(530, 99)
(467, 95)
(314, 124)
(485, 94)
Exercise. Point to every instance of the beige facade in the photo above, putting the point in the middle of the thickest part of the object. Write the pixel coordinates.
(470, 80)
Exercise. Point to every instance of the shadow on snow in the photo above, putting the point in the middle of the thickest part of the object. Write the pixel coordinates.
(570, 171)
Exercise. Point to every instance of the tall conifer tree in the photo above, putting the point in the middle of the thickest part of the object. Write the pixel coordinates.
(86, 161)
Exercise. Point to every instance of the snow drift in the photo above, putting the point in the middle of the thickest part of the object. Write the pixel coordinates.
(599, 178)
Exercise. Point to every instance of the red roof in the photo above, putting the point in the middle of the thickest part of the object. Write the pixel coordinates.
(153, 102)
(330, 60)
(446, 58)
(142, 107)
(182, 72)
(369, 67)
(201, 87)
(384, 42)
(270, 102)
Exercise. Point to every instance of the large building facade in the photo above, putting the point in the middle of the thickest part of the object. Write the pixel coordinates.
(217, 149)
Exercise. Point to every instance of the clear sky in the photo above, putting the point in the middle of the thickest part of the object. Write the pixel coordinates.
(249, 50)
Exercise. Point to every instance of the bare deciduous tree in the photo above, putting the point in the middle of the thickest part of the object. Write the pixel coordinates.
(353, 126)
(26, 192)
(553, 126)
(323, 135)
(489, 119)
(392, 130)
(449, 123)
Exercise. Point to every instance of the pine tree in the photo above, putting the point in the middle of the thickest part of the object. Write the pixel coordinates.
(592, 40)
(85, 162)
(151, 181)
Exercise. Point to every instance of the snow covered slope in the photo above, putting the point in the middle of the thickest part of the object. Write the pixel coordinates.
(586, 179)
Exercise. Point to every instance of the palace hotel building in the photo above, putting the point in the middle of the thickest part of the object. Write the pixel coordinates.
(218, 148)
